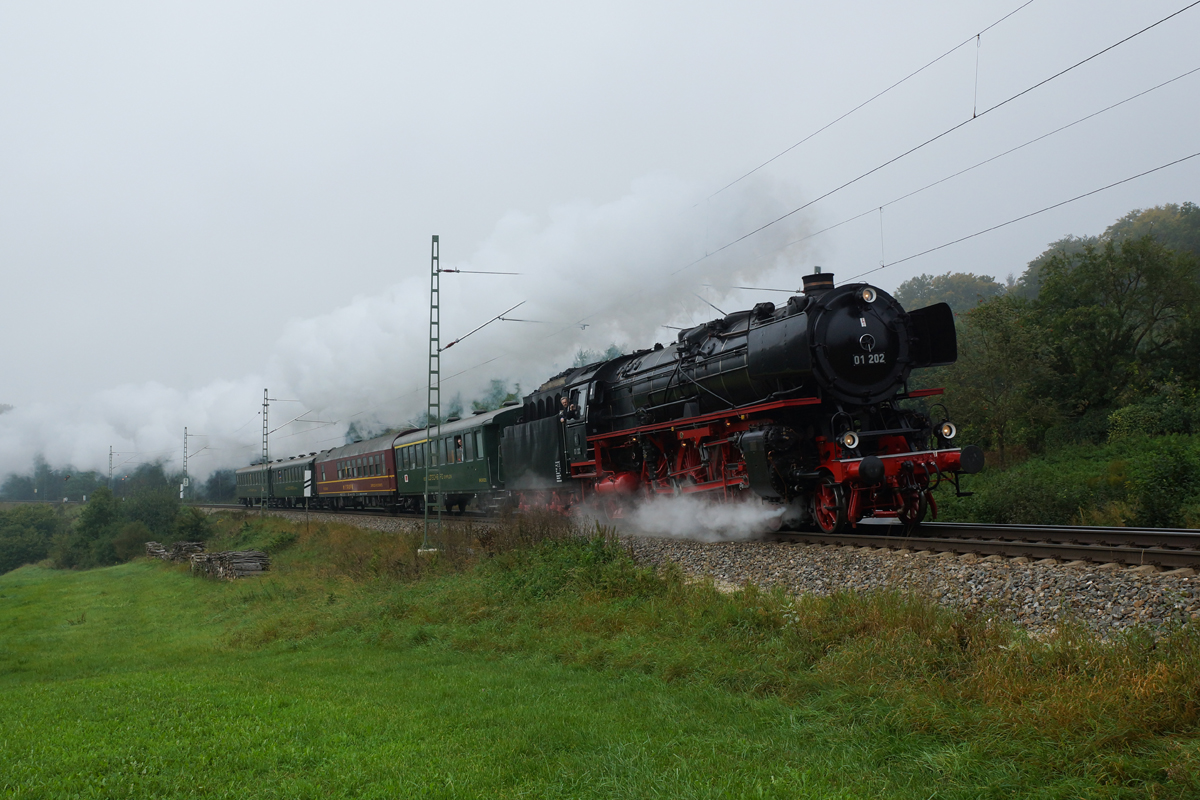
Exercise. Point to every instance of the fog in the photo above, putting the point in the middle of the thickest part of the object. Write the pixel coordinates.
(197, 202)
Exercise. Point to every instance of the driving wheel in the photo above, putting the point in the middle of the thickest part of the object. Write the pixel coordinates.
(829, 506)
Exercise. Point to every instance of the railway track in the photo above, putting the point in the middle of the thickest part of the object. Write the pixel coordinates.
(1168, 548)
(1165, 548)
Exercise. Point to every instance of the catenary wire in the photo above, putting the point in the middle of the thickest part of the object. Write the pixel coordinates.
(869, 100)
(933, 139)
(965, 170)
(1026, 216)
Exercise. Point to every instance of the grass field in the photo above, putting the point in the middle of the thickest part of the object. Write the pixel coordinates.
(555, 669)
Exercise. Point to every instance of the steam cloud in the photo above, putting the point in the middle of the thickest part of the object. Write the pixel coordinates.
(689, 517)
(591, 275)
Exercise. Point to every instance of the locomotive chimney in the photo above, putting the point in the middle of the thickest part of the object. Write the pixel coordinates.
(817, 283)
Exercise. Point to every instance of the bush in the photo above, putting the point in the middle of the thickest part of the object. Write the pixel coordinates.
(26, 534)
(1136, 480)
(192, 525)
(1172, 409)
(1167, 480)
(89, 543)
(130, 542)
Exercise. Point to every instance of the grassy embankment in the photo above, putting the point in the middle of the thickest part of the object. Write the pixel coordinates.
(555, 668)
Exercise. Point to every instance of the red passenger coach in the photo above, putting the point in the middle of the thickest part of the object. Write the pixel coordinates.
(359, 475)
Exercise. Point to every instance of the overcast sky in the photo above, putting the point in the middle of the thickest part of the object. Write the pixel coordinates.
(199, 201)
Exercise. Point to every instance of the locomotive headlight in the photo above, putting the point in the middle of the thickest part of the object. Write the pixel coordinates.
(947, 430)
(849, 440)
(867, 294)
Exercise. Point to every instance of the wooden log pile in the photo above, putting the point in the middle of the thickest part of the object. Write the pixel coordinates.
(231, 565)
(182, 551)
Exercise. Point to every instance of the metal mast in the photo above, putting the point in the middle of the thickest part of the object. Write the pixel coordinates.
(266, 495)
(433, 415)
(183, 486)
(110, 467)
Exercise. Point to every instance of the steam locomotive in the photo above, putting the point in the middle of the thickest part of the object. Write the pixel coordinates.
(797, 405)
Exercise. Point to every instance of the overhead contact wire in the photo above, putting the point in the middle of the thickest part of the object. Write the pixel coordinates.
(869, 100)
(986, 161)
(933, 139)
(1027, 216)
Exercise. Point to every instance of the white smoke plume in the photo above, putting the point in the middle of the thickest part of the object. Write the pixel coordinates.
(591, 274)
(699, 519)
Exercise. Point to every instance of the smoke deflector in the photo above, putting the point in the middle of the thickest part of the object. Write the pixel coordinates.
(935, 342)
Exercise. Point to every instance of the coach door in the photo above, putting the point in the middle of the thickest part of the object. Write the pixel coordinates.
(576, 438)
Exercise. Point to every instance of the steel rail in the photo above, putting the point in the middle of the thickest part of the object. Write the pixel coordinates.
(1168, 548)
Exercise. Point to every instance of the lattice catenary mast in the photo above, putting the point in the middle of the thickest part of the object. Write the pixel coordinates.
(433, 406)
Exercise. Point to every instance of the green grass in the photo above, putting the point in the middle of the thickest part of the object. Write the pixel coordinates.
(556, 669)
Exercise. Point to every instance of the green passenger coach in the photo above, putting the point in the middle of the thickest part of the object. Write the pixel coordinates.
(284, 483)
(463, 459)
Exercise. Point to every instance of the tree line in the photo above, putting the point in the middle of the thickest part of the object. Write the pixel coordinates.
(1096, 340)
(110, 529)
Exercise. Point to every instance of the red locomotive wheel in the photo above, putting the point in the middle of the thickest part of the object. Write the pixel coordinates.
(829, 506)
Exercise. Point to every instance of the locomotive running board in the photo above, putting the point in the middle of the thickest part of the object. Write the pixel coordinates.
(715, 416)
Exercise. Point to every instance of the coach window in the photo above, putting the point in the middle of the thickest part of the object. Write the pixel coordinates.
(468, 447)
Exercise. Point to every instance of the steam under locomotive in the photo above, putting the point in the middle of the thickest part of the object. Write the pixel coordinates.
(797, 405)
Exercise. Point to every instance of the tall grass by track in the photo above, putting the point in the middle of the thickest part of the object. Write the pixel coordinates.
(527, 661)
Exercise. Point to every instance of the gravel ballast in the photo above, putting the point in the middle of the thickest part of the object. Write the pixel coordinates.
(1038, 596)
(1035, 595)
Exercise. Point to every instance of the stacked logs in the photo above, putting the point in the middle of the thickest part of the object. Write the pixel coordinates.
(182, 551)
(231, 565)
(179, 552)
